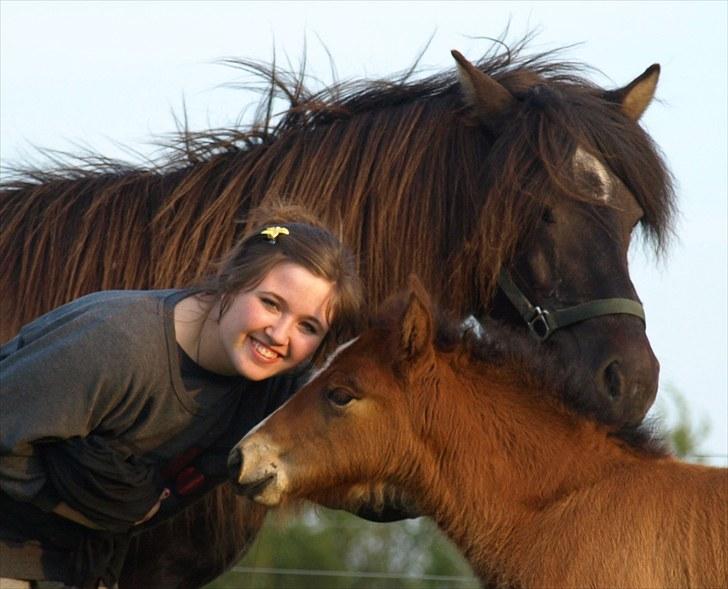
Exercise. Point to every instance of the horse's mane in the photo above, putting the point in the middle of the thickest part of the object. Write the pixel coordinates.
(383, 144)
(510, 354)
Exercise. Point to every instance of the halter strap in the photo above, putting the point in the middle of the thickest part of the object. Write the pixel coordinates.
(543, 322)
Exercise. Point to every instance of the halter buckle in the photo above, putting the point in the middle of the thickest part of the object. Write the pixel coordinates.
(539, 323)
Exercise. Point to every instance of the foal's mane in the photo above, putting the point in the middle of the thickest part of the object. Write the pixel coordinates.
(361, 154)
(510, 354)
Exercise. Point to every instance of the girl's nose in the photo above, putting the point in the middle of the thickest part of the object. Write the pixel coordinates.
(278, 332)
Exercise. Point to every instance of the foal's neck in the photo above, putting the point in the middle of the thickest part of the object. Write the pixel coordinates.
(506, 458)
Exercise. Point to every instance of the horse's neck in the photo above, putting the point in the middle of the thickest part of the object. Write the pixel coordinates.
(510, 469)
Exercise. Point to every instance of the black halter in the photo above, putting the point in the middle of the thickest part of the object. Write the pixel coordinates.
(543, 322)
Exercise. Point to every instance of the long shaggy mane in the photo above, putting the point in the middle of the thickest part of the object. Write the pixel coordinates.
(369, 157)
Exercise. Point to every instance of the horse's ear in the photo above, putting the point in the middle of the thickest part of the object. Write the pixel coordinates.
(483, 94)
(416, 333)
(636, 96)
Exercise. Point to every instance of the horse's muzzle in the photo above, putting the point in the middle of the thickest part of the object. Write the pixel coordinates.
(625, 371)
(629, 383)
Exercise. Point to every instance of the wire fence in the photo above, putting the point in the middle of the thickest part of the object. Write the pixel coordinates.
(459, 580)
(711, 459)
(724, 456)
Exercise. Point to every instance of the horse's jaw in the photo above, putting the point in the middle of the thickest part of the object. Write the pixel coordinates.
(378, 500)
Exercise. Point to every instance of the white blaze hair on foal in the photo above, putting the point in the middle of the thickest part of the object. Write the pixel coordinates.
(314, 375)
(331, 358)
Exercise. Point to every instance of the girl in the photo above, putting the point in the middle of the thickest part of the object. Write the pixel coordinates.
(107, 399)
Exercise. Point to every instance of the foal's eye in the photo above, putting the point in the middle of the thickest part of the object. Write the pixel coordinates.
(339, 397)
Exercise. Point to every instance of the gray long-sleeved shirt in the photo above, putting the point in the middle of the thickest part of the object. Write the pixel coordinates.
(105, 365)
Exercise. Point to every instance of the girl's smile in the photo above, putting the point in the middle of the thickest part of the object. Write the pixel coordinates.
(263, 351)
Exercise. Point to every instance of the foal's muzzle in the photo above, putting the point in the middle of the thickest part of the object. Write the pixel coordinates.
(256, 473)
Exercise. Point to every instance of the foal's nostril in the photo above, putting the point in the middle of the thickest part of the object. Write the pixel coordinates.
(235, 464)
(614, 380)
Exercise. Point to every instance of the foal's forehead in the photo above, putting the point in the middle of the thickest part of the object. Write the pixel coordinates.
(331, 358)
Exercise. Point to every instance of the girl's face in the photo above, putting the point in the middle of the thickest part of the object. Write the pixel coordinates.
(276, 325)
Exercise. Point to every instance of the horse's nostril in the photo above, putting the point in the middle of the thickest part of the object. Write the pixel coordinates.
(614, 380)
(235, 464)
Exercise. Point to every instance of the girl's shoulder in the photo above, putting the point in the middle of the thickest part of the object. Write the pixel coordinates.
(106, 302)
(118, 314)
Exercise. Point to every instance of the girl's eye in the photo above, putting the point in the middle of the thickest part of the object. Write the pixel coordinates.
(339, 397)
(270, 303)
(309, 329)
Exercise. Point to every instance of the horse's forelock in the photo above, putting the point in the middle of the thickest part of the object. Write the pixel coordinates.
(534, 146)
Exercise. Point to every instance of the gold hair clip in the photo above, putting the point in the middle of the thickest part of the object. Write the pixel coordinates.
(272, 233)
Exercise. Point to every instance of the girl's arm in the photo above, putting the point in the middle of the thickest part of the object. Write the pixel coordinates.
(66, 511)
(52, 388)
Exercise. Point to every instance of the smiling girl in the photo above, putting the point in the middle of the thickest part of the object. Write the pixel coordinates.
(103, 396)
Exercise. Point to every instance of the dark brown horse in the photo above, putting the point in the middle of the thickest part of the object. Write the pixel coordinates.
(476, 433)
(518, 164)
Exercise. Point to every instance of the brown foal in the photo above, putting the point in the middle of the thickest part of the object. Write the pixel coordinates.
(534, 494)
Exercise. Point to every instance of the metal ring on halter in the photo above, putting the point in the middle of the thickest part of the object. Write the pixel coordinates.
(539, 323)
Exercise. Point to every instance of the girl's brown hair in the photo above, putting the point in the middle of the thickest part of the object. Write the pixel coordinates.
(309, 244)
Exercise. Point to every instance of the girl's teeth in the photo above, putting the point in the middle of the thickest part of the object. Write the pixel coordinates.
(263, 351)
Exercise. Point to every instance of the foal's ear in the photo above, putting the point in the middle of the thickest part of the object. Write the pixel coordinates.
(636, 96)
(416, 333)
(483, 94)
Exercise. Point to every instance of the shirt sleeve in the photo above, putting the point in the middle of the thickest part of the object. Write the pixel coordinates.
(55, 383)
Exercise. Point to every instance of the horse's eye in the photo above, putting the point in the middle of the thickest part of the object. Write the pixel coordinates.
(547, 216)
(339, 397)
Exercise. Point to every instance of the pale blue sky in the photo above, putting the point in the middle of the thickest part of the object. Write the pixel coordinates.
(105, 74)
